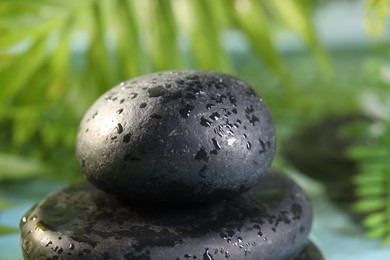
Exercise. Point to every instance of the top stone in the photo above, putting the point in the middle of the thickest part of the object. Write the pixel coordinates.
(192, 136)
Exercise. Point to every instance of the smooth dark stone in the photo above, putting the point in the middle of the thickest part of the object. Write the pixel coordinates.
(177, 136)
(311, 252)
(270, 221)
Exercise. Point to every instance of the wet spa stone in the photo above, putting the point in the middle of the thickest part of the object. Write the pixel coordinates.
(270, 221)
(311, 252)
(182, 135)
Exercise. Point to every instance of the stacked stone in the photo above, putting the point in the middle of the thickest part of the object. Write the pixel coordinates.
(179, 163)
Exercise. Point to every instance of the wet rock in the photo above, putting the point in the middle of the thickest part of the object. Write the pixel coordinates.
(177, 136)
(270, 221)
(311, 252)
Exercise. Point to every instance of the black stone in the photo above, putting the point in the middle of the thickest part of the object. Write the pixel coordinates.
(311, 252)
(177, 136)
(270, 221)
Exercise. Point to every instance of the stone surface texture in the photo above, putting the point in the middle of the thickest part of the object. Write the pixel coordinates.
(271, 221)
(177, 136)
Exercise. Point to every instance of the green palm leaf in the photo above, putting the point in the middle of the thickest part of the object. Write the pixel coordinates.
(81, 48)
(373, 185)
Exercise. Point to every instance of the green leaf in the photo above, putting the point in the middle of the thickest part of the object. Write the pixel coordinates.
(293, 15)
(373, 185)
(374, 220)
(248, 14)
(204, 33)
(162, 34)
(4, 204)
(365, 177)
(377, 232)
(363, 152)
(130, 52)
(18, 73)
(376, 13)
(4, 230)
(369, 204)
(16, 167)
(370, 190)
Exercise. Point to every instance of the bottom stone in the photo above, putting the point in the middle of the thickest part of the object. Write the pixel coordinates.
(311, 252)
(271, 221)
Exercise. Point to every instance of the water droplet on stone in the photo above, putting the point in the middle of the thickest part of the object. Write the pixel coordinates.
(202, 172)
(119, 128)
(249, 109)
(263, 148)
(239, 239)
(132, 96)
(24, 219)
(253, 120)
(219, 99)
(248, 145)
(209, 106)
(232, 99)
(186, 111)
(142, 105)
(155, 116)
(216, 144)
(126, 138)
(119, 111)
(202, 155)
(205, 122)
(156, 91)
(207, 255)
(215, 116)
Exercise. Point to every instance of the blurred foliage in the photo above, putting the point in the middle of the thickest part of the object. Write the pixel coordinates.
(57, 57)
(372, 152)
(376, 14)
(373, 185)
(7, 230)
(54, 53)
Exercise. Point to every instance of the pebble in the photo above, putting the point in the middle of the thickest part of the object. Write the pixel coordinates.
(190, 136)
(270, 221)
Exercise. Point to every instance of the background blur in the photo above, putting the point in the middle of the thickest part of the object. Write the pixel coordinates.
(322, 66)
